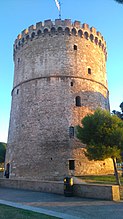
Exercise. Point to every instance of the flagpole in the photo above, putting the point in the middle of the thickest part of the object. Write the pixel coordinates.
(58, 5)
(60, 10)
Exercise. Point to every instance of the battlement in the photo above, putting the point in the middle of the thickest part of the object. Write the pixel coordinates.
(58, 27)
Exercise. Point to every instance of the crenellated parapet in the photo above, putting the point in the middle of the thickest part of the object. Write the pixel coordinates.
(60, 27)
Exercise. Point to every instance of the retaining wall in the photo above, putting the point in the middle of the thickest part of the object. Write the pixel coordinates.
(104, 192)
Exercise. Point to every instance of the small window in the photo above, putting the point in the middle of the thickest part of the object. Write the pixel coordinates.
(67, 31)
(27, 37)
(18, 61)
(78, 101)
(80, 33)
(39, 32)
(89, 71)
(23, 40)
(74, 31)
(86, 35)
(60, 30)
(53, 30)
(71, 83)
(100, 43)
(75, 47)
(45, 31)
(71, 131)
(17, 91)
(96, 40)
(91, 37)
(32, 35)
(71, 164)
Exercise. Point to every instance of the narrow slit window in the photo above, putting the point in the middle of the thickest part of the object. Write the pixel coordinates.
(71, 83)
(78, 101)
(89, 71)
(75, 47)
(71, 131)
(17, 91)
(71, 164)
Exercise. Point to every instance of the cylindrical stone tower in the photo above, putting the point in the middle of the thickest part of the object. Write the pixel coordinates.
(59, 77)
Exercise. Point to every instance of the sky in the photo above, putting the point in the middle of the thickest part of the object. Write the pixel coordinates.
(105, 15)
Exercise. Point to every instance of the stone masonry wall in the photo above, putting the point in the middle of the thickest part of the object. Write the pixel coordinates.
(55, 63)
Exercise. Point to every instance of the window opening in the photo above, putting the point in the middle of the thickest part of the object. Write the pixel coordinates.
(39, 32)
(86, 35)
(78, 101)
(71, 164)
(53, 30)
(17, 91)
(75, 47)
(33, 35)
(80, 33)
(67, 31)
(71, 131)
(71, 83)
(27, 37)
(74, 31)
(89, 71)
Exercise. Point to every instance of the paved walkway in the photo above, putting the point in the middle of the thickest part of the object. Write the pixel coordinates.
(60, 206)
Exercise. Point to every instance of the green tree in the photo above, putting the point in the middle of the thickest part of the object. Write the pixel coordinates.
(2, 152)
(119, 1)
(119, 114)
(103, 135)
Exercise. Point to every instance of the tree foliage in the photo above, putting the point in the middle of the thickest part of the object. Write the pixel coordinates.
(119, 114)
(119, 1)
(2, 152)
(102, 130)
(103, 134)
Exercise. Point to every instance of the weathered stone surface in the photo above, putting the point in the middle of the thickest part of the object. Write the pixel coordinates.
(51, 70)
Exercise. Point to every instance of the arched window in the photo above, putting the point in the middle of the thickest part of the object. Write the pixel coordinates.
(96, 40)
(60, 30)
(53, 30)
(74, 31)
(45, 31)
(78, 101)
(80, 33)
(100, 43)
(27, 37)
(102, 46)
(22, 40)
(32, 35)
(86, 35)
(67, 31)
(39, 32)
(91, 37)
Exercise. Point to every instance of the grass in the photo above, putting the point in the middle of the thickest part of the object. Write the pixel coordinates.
(7, 212)
(108, 179)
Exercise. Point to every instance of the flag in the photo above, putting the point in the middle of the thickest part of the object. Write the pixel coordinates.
(57, 4)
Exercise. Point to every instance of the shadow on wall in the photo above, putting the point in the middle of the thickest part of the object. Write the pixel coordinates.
(92, 100)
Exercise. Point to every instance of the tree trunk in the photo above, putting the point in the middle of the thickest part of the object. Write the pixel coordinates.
(116, 172)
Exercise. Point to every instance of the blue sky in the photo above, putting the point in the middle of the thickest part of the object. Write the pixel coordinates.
(105, 15)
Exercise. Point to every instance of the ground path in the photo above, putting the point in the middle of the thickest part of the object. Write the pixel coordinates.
(60, 206)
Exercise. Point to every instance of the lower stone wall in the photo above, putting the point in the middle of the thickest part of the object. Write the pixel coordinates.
(104, 192)
(43, 186)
